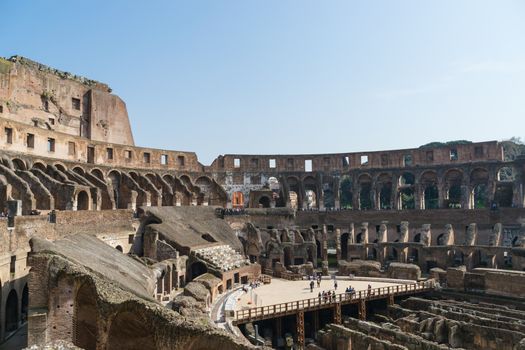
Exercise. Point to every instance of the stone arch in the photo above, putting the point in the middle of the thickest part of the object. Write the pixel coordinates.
(98, 174)
(79, 170)
(365, 191)
(407, 182)
(119, 248)
(19, 164)
(85, 317)
(196, 269)
(346, 192)
(61, 167)
(429, 183)
(506, 173)
(454, 180)
(128, 330)
(115, 181)
(39, 165)
(311, 192)
(11, 312)
(294, 192)
(83, 200)
(264, 201)
(384, 182)
(479, 179)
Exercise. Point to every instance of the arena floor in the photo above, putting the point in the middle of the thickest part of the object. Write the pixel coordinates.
(282, 291)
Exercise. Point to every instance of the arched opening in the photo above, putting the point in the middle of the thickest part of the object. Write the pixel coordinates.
(11, 312)
(85, 318)
(264, 202)
(129, 331)
(454, 196)
(238, 200)
(60, 167)
(196, 269)
(311, 199)
(208, 238)
(503, 194)
(293, 199)
(407, 179)
(329, 198)
(414, 255)
(78, 170)
(25, 303)
(441, 239)
(373, 254)
(479, 193)
(40, 166)
(82, 201)
(310, 255)
(479, 179)
(345, 195)
(98, 174)
(506, 174)
(454, 180)
(385, 196)
(365, 202)
(407, 198)
(114, 180)
(359, 238)
(119, 248)
(431, 197)
(288, 258)
(417, 238)
(515, 242)
(394, 255)
(344, 246)
(19, 164)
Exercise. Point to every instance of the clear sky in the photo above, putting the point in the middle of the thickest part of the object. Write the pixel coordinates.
(280, 76)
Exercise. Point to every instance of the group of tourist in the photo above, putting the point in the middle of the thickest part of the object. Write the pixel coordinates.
(326, 296)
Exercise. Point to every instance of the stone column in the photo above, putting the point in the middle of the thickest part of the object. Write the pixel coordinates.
(300, 329)
(338, 243)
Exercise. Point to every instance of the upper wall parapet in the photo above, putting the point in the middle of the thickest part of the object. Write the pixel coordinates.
(37, 95)
(423, 156)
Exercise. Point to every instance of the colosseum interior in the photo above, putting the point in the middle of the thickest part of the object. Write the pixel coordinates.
(107, 245)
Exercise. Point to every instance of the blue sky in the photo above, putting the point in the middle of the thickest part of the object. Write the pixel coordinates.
(281, 77)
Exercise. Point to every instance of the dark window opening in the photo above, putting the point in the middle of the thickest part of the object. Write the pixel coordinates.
(131, 238)
(127, 154)
(8, 135)
(51, 145)
(147, 157)
(453, 154)
(430, 156)
(12, 265)
(478, 151)
(75, 103)
(30, 141)
(181, 160)
(384, 159)
(407, 159)
(71, 148)
(51, 121)
(255, 163)
(109, 153)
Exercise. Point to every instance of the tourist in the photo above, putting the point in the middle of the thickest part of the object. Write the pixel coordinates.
(311, 286)
(369, 289)
(335, 284)
(333, 296)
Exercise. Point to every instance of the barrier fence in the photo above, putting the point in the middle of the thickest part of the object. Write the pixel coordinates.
(270, 311)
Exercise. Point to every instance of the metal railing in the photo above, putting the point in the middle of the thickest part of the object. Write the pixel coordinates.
(276, 310)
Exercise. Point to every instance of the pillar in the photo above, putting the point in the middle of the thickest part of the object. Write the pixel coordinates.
(300, 329)
(337, 313)
(278, 328)
(362, 309)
